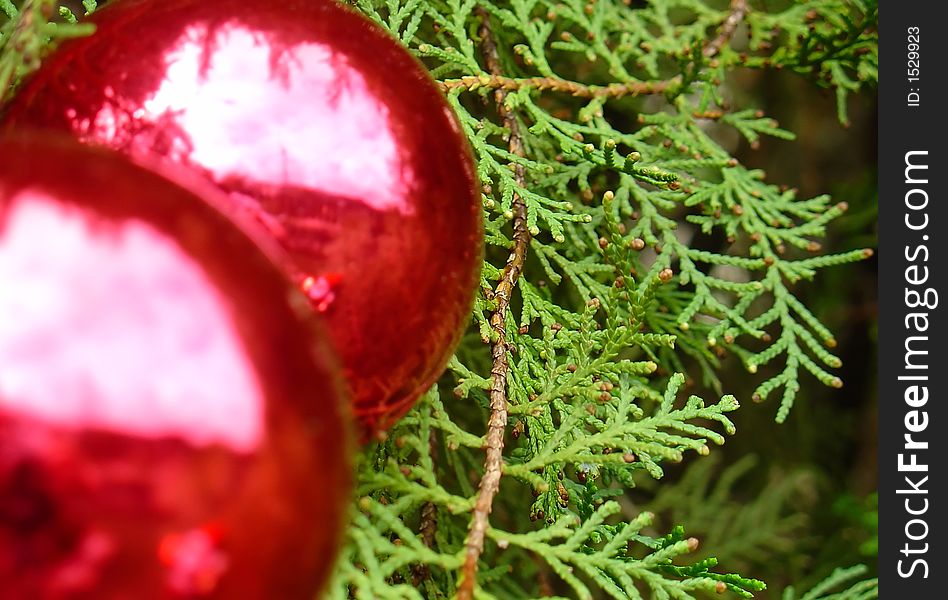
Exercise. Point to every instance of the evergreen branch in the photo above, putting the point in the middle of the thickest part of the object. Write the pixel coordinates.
(601, 552)
(579, 90)
(27, 35)
(865, 589)
(497, 423)
(20, 30)
(739, 10)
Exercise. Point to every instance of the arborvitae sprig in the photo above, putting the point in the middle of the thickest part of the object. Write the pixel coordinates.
(577, 527)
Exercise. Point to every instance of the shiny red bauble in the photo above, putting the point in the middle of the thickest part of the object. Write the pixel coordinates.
(325, 130)
(170, 425)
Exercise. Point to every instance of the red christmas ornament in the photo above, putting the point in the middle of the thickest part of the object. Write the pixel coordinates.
(327, 132)
(169, 425)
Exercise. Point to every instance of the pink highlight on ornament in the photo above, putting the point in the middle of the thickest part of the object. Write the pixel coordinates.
(319, 289)
(194, 560)
(148, 325)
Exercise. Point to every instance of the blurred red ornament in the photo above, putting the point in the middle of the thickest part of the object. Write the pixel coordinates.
(170, 426)
(326, 131)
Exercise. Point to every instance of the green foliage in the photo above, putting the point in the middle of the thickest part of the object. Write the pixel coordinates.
(863, 515)
(661, 162)
(619, 187)
(583, 536)
(738, 530)
(829, 44)
(654, 254)
(26, 35)
(830, 588)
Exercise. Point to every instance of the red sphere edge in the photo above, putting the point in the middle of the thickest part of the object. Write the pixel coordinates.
(321, 129)
(111, 483)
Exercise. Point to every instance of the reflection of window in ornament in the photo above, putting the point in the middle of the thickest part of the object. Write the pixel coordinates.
(230, 82)
(144, 278)
(325, 135)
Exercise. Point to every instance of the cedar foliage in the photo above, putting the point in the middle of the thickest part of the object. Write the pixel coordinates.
(628, 255)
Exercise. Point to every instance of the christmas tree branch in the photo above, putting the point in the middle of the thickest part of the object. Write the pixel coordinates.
(24, 30)
(494, 80)
(739, 10)
(493, 465)
(25, 37)
(579, 90)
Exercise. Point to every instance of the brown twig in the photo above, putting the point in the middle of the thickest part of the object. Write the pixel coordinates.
(497, 424)
(738, 12)
(495, 81)
(544, 584)
(428, 528)
(579, 90)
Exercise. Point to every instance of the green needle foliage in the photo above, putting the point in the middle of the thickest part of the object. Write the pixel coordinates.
(636, 254)
(745, 534)
(843, 584)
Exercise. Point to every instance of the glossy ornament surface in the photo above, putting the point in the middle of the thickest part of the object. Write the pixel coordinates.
(323, 129)
(170, 424)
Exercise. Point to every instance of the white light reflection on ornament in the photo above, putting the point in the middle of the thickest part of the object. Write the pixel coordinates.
(116, 328)
(236, 99)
